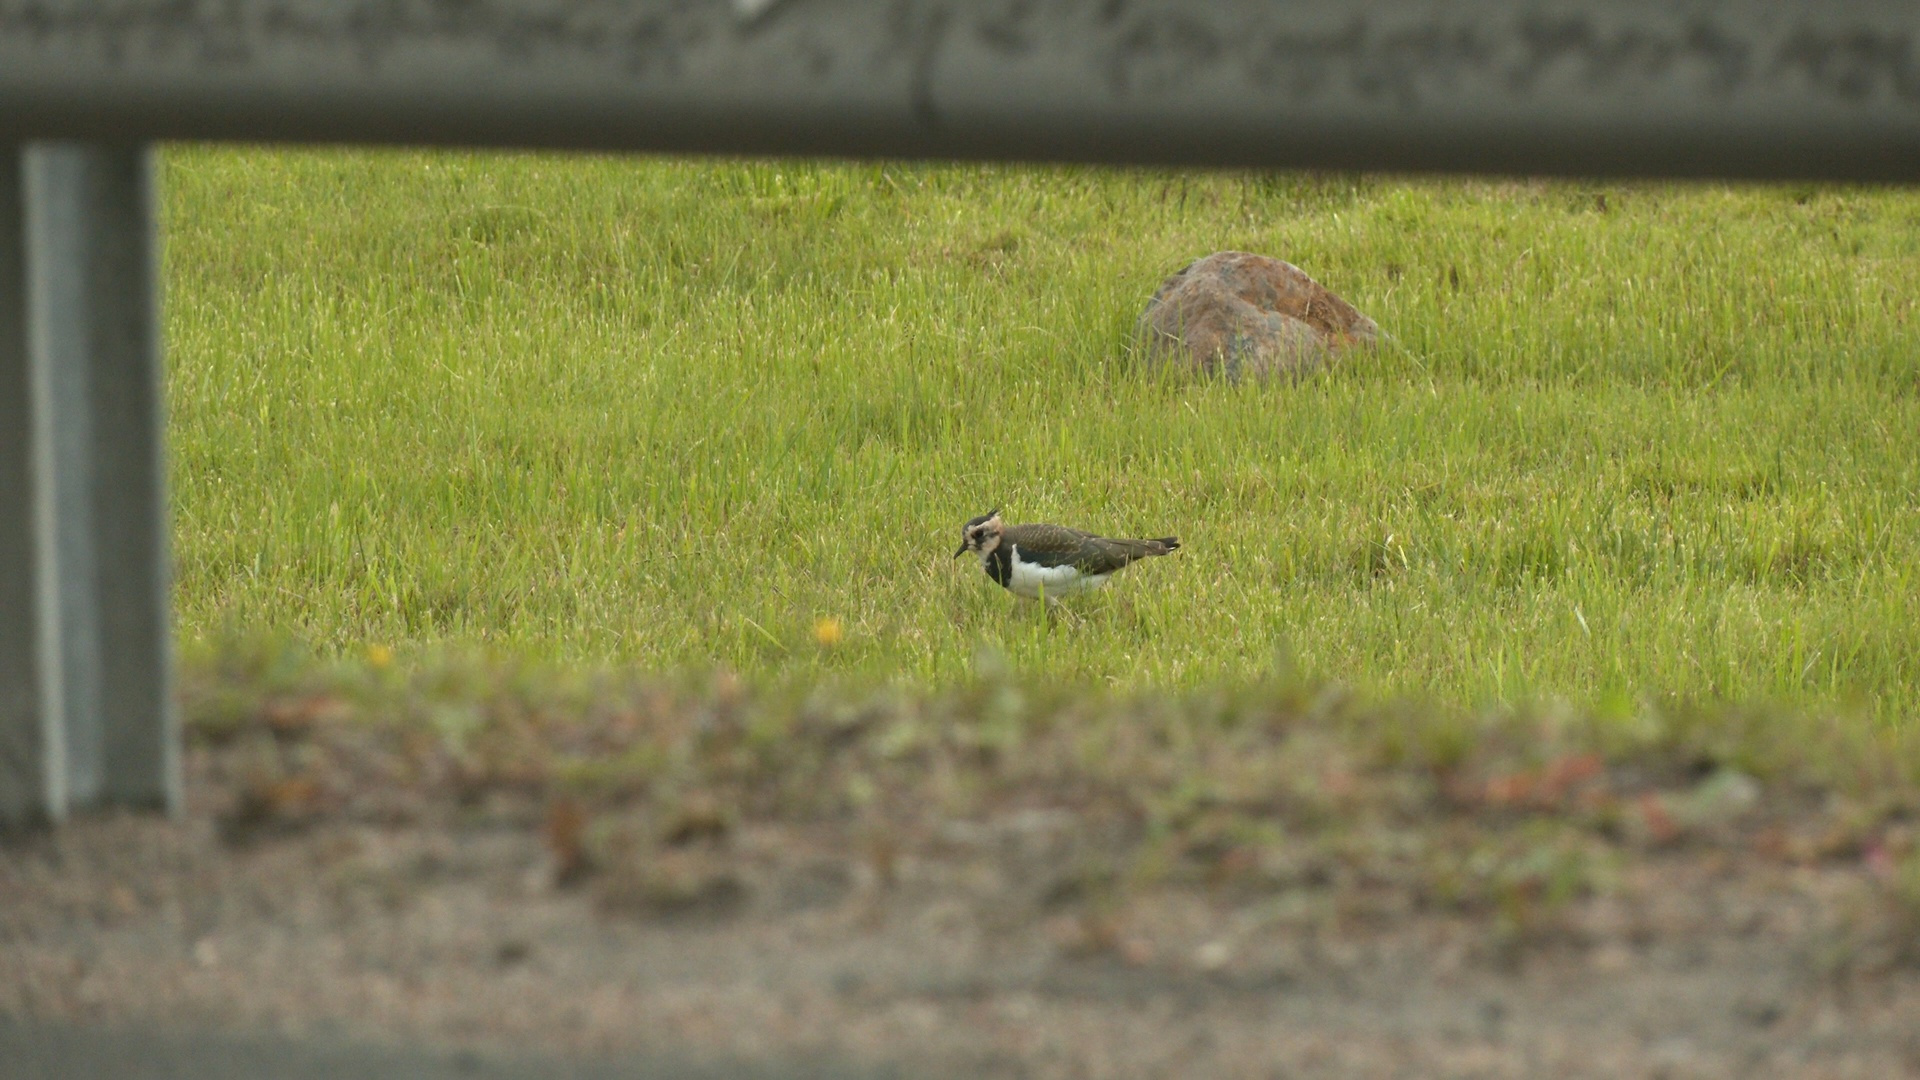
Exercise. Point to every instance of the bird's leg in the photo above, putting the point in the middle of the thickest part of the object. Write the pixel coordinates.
(1057, 610)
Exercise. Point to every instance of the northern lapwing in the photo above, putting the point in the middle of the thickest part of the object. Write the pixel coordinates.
(1050, 561)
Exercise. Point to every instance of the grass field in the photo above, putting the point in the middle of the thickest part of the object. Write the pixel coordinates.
(1627, 440)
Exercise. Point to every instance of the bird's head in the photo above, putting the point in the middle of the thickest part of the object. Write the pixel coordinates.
(982, 534)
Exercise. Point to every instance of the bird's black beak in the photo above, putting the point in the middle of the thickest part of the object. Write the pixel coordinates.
(962, 551)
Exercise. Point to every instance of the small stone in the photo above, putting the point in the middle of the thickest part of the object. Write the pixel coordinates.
(1761, 1012)
(1721, 799)
(700, 816)
(1088, 934)
(1213, 955)
(672, 888)
(1236, 313)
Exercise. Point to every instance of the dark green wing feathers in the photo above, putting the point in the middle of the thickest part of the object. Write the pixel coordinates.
(1057, 545)
(1049, 545)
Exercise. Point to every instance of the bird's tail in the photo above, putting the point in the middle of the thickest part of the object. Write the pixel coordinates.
(1130, 550)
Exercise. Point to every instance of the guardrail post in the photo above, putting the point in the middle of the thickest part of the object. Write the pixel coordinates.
(33, 772)
(93, 359)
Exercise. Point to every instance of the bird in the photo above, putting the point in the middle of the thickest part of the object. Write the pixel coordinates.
(1050, 561)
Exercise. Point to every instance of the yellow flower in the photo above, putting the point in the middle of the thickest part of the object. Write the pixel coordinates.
(379, 656)
(828, 631)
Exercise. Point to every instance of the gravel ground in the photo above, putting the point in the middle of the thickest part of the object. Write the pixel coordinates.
(628, 879)
(944, 961)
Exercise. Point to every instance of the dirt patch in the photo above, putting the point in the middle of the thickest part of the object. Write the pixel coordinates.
(1139, 888)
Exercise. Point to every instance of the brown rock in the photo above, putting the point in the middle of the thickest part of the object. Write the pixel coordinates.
(1236, 313)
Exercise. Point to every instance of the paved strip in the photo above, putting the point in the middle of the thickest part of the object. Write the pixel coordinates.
(59, 1051)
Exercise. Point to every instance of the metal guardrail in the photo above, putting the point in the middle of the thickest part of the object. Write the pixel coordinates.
(1731, 88)
(1814, 88)
(86, 703)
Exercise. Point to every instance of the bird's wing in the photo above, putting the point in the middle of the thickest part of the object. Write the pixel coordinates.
(1057, 545)
(1051, 545)
(1115, 554)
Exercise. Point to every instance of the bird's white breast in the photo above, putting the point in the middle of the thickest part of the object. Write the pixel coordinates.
(1030, 579)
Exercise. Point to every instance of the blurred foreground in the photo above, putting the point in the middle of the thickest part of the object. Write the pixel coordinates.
(1002, 880)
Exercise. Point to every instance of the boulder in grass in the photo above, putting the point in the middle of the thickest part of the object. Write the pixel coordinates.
(1239, 314)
